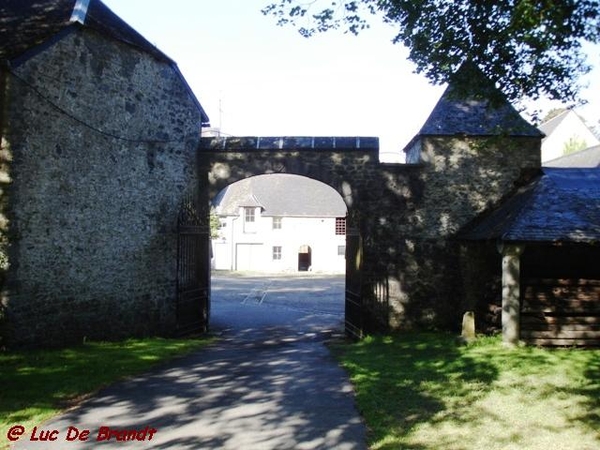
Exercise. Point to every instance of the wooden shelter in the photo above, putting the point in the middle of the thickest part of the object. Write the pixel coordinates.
(548, 233)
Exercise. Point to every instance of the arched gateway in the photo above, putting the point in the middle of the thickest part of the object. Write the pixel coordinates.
(347, 164)
(407, 262)
(405, 266)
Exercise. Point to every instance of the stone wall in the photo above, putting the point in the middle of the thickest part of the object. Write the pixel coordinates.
(415, 253)
(101, 143)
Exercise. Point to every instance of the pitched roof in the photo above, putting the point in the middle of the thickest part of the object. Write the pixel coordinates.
(590, 157)
(27, 24)
(281, 195)
(561, 205)
(24, 24)
(549, 126)
(480, 109)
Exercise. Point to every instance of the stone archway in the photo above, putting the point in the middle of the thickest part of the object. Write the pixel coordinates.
(403, 258)
(348, 165)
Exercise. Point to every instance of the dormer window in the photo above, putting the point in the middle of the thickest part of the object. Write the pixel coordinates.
(249, 215)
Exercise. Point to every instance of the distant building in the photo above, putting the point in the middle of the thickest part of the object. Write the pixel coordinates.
(565, 133)
(590, 157)
(280, 223)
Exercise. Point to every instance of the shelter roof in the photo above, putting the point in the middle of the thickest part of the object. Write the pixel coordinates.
(560, 205)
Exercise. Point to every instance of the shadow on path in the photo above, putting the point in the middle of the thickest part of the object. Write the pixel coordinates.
(268, 383)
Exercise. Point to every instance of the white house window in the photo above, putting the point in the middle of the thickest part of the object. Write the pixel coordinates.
(277, 223)
(341, 250)
(249, 215)
(277, 253)
(340, 226)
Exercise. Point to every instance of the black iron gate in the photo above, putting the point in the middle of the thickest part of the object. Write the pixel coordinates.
(193, 271)
(354, 319)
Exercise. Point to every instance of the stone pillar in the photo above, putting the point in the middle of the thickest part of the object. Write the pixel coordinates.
(468, 327)
(511, 295)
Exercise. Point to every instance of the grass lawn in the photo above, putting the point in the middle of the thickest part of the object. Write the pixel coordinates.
(36, 385)
(423, 391)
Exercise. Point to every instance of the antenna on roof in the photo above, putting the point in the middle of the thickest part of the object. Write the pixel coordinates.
(80, 11)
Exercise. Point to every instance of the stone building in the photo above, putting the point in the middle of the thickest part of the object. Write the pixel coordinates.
(99, 134)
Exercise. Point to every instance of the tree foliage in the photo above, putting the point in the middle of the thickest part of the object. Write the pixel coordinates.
(528, 48)
(215, 224)
(574, 144)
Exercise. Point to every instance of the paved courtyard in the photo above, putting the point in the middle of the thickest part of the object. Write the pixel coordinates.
(307, 301)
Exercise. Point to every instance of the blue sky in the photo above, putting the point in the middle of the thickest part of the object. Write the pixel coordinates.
(255, 78)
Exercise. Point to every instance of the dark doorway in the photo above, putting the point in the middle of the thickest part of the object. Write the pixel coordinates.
(304, 258)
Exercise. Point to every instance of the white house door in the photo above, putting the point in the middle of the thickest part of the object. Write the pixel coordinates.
(247, 256)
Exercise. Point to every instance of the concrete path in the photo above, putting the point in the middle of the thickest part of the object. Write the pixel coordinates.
(269, 382)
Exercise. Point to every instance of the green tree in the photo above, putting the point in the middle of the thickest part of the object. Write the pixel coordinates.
(528, 48)
(574, 144)
(215, 224)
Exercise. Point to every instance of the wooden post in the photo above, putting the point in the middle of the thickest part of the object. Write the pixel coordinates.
(511, 295)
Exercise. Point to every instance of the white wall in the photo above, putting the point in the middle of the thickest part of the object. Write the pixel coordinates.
(570, 128)
(238, 239)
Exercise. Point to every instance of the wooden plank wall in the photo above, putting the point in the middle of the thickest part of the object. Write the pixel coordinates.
(560, 292)
(561, 312)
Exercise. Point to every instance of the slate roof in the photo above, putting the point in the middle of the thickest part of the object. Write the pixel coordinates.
(281, 195)
(481, 110)
(590, 157)
(549, 126)
(27, 25)
(561, 205)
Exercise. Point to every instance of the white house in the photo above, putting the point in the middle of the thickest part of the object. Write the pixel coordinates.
(565, 133)
(280, 223)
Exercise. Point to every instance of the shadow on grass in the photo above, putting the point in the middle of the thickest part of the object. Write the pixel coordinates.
(34, 384)
(407, 380)
(590, 391)
(423, 391)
